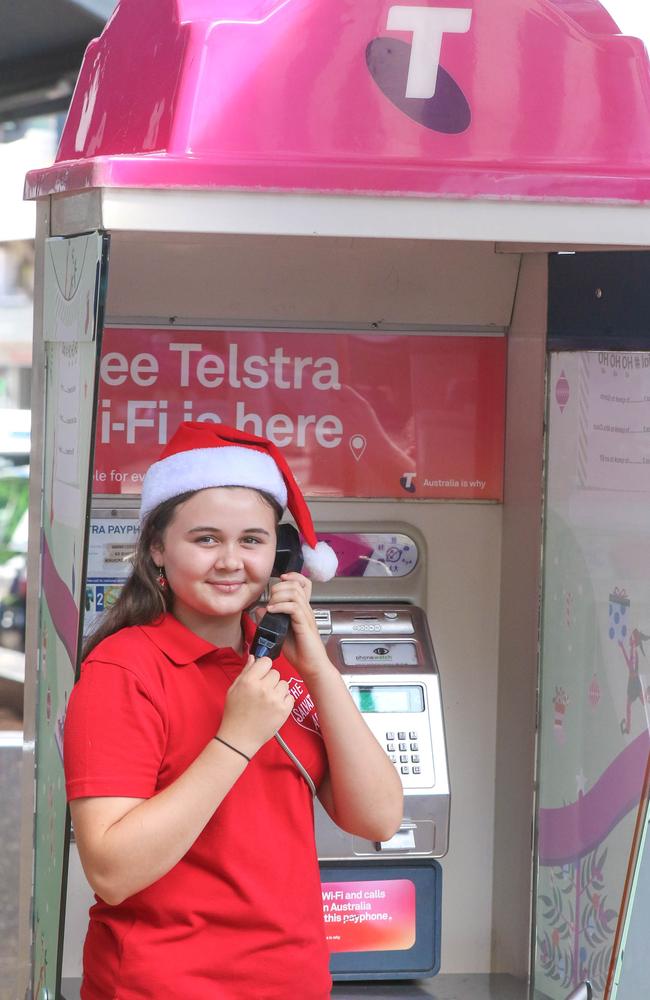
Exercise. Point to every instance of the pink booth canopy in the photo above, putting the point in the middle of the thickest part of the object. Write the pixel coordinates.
(535, 99)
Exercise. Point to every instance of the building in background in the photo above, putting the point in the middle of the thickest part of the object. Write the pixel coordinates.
(21, 143)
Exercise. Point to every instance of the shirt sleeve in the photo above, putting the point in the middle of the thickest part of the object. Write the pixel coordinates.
(114, 737)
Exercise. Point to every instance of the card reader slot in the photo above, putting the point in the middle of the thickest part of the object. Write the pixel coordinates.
(323, 619)
(413, 837)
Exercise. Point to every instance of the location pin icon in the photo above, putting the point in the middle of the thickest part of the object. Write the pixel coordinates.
(357, 445)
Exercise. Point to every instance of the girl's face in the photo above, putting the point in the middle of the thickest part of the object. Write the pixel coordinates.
(218, 552)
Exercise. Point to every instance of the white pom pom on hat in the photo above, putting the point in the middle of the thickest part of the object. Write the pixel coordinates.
(320, 562)
(201, 455)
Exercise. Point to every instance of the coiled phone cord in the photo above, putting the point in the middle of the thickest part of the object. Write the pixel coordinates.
(300, 767)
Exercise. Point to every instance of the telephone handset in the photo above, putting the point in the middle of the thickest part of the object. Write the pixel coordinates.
(272, 630)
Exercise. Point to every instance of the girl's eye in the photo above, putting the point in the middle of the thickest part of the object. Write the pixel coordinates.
(251, 540)
(206, 539)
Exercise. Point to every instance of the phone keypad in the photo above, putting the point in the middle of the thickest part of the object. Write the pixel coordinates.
(408, 747)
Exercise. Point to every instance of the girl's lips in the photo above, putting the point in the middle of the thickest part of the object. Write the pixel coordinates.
(227, 585)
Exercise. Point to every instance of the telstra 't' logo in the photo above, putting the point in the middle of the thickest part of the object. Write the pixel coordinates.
(411, 75)
(407, 482)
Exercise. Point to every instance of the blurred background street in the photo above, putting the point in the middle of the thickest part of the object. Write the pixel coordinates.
(10, 756)
(41, 47)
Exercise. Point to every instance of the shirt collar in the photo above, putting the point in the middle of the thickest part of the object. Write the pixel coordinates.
(182, 646)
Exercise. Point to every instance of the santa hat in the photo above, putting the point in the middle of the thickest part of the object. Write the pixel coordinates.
(201, 455)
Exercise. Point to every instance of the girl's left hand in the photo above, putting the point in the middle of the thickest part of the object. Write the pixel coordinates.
(303, 646)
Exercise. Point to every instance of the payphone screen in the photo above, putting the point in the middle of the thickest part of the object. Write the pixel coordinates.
(388, 698)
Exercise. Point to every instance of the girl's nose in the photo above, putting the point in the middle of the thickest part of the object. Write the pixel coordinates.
(228, 557)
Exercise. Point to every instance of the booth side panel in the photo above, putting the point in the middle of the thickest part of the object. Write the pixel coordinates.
(32, 629)
(67, 353)
(514, 805)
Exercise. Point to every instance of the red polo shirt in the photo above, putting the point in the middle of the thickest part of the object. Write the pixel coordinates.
(240, 916)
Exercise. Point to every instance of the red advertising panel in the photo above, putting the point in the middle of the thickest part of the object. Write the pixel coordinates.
(390, 415)
(369, 916)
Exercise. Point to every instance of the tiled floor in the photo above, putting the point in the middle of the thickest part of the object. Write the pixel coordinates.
(10, 759)
(11, 724)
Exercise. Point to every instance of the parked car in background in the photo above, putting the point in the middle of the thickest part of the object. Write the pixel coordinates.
(13, 610)
(15, 436)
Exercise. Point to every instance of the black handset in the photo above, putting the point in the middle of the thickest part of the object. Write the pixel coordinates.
(272, 630)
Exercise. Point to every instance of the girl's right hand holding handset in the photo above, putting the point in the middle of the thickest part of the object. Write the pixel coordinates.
(258, 703)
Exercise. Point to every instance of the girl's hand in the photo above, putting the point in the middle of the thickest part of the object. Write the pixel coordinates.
(303, 646)
(258, 703)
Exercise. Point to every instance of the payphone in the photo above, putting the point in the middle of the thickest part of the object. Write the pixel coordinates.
(382, 900)
(385, 655)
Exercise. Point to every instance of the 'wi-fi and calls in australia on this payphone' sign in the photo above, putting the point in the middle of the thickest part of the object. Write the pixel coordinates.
(365, 415)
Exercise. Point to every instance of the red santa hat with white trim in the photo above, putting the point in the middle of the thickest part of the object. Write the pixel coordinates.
(201, 455)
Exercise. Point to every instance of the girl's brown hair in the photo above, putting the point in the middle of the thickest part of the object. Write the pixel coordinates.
(141, 599)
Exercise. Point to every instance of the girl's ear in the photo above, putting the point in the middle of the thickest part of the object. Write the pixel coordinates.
(156, 553)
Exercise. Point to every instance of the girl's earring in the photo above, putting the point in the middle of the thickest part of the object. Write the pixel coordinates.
(162, 581)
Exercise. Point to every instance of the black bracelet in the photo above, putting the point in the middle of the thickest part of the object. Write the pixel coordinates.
(231, 747)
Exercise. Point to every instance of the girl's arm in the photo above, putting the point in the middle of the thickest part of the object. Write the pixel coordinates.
(126, 844)
(362, 792)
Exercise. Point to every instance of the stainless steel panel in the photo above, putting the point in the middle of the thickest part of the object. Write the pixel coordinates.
(415, 740)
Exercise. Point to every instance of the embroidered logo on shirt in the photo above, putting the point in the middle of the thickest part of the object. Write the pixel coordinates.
(304, 711)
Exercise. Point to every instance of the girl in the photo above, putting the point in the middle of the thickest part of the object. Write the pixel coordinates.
(194, 827)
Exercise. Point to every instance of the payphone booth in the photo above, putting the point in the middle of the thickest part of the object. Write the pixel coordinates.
(335, 226)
